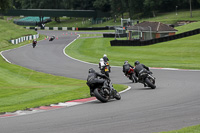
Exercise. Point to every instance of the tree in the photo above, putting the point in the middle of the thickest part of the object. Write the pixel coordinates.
(119, 7)
(135, 7)
(103, 5)
(5, 4)
(190, 1)
(152, 6)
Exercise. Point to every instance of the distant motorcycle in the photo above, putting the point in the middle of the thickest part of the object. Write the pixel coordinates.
(52, 38)
(34, 43)
(108, 66)
(105, 70)
(131, 75)
(147, 79)
(105, 94)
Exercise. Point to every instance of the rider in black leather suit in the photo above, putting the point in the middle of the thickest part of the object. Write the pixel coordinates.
(126, 67)
(140, 68)
(105, 58)
(93, 79)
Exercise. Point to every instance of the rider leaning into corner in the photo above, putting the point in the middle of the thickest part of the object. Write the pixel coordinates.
(34, 43)
(140, 68)
(126, 67)
(93, 79)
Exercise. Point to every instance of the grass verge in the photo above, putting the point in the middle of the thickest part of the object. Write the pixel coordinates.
(192, 129)
(182, 53)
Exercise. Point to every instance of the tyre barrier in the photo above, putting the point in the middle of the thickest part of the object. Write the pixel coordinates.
(24, 38)
(112, 35)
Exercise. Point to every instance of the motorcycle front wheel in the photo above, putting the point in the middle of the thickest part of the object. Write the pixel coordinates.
(117, 96)
(100, 95)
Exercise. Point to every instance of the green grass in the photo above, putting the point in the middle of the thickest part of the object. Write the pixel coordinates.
(21, 88)
(10, 31)
(188, 27)
(192, 129)
(182, 53)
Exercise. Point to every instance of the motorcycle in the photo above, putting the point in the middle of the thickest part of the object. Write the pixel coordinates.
(52, 38)
(147, 79)
(108, 66)
(105, 94)
(131, 75)
(34, 44)
(104, 69)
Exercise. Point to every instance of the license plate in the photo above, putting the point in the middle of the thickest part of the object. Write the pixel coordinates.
(106, 69)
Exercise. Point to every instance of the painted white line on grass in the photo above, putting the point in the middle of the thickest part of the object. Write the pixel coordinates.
(75, 58)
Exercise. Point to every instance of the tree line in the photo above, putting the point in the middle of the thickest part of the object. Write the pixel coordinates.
(135, 8)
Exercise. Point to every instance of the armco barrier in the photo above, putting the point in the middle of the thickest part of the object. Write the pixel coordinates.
(153, 41)
(112, 35)
(24, 38)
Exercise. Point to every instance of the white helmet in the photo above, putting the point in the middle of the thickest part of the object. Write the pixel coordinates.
(104, 55)
(101, 60)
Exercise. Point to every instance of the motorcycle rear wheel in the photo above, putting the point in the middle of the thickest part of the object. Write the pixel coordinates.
(149, 83)
(107, 74)
(98, 94)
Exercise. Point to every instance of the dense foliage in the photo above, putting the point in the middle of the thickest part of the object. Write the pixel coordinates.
(116, 7)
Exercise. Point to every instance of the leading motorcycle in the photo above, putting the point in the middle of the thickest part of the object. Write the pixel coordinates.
(108, 66)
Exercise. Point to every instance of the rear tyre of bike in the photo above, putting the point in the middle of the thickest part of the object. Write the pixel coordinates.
(149, 83)
(34, 45)
(100, 96)
(107, 74)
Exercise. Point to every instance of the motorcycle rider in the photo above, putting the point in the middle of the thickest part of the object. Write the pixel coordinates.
(126, 67)
(93, 79)
(52, 38)
(105, 58)
(140, 68)
(101, 64)
(34, 43)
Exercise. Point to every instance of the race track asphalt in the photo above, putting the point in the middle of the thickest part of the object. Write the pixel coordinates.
(174, 104)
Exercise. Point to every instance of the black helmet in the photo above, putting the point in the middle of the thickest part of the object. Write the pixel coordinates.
(125, 62)
(137, 63)
(91, 70)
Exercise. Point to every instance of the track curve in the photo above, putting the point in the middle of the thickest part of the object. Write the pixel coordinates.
(174, 104)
